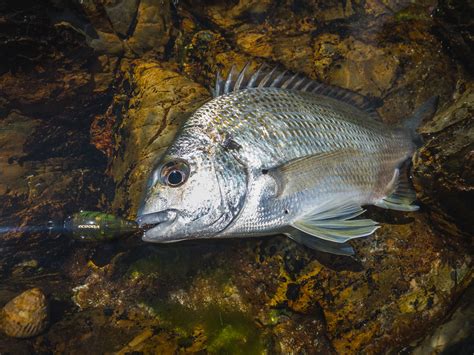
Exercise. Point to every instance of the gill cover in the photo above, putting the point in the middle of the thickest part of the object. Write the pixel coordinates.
(232, 179)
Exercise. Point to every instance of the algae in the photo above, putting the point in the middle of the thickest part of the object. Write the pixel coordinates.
(225, 331)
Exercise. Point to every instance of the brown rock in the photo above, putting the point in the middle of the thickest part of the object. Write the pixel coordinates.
(444, 166)
(271, 290)
(161, 99)
(227, 14)
(106, 42)
(152, 30)
(363, 68)
(122, 14)
(14, 132)
(26, 315)
(289, 48)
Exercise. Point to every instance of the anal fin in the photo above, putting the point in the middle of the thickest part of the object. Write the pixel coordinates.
(403, 195)
(332, 222)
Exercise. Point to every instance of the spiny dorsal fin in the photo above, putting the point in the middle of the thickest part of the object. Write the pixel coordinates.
(278, 78)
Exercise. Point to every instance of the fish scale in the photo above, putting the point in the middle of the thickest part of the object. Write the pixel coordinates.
(279, 153)
(318, 131)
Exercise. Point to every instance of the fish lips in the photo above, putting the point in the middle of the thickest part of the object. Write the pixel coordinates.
(155, 223)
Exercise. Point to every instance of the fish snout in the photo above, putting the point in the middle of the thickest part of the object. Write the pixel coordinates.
(149, 220)
(155, 224)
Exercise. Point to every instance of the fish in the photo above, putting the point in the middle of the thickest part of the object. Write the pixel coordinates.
(275, 152)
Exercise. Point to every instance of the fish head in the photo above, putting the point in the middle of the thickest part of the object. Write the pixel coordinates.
(195, 190)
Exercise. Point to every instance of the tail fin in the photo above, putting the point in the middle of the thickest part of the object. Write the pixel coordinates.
(425, 111)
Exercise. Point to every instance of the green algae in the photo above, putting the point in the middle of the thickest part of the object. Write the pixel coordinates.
(149, 267)
(412, 14)
(224, 331)
(165, 262)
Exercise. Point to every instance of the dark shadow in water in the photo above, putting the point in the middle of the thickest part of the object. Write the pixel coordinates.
(464, 347)
(339, 262)
(331, 261)
(385, 216)
(59, 309)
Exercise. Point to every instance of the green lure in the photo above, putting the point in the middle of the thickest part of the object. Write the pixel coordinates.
(93, 226)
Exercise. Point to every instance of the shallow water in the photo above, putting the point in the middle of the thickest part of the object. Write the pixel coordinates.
(91, 93)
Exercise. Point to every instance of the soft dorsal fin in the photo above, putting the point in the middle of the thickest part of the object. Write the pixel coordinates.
(266, 77)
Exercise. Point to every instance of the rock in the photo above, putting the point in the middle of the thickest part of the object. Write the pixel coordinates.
(98, 29)
(105, 42)
(95, 12)
(63, 103)
(129, 27)
(301, 333)
(228, 15)
(25, 316)
(153, 28)
(122, 14)
(291, 49)
(160, 99)
(14, 132)
(352, 64)
(444, 166)
(455, 334)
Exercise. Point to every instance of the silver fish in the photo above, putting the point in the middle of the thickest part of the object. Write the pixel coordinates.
(276, 153)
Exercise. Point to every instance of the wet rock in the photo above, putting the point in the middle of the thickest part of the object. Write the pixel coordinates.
(26, 315)
(96, 13)
(291, 49)
(153, 28)
(129, 27)
(297, 333)
(122, 14)
(258, 295)
(14, 133)
(203, 53)
(105, 42)
(160, 99)
(444, 166)
(228, 14)
(93, 24)
(455, 335)
(367, 69)
(452, 26)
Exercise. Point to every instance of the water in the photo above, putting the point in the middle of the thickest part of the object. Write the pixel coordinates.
(90, 94)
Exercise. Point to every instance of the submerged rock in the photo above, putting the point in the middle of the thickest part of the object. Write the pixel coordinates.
(455, 334)
(26, 315)
(444, 166)
(149, 65)
(156, 99)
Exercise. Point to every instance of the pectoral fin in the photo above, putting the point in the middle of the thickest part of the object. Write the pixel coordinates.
(321, 244)
(332, 222)
(301, 174)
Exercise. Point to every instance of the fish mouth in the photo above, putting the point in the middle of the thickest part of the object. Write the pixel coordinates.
(153, 223)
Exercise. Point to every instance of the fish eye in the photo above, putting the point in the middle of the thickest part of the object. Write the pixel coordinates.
(174, 173)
